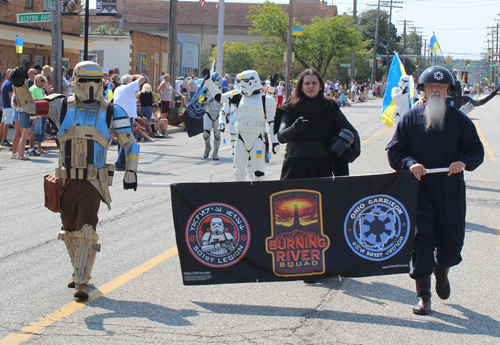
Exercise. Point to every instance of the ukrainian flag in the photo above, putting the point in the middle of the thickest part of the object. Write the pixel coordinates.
(396, 70)
(434, 45)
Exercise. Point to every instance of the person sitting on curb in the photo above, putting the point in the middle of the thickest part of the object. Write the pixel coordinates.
(176, 115)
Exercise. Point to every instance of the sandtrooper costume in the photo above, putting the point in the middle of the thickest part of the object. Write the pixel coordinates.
(84, 122)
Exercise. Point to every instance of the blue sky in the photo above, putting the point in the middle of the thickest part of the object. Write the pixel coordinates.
(460, 25)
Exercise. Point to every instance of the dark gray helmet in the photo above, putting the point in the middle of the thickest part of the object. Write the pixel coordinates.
(342, 142)
(436, 74)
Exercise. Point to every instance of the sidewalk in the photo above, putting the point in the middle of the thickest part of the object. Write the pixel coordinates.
(51, 144)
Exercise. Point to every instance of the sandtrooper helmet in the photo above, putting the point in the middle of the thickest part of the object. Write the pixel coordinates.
(249, 82)
(404, 81)
(87, 82)
(216, 226)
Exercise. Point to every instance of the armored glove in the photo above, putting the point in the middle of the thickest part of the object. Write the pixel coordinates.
(467, 108)
(17, 77)
(206, 73)
(276, 148)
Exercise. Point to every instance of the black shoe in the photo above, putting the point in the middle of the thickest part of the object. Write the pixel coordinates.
(5, 143)
(120, 168)
(423, 305)
(33, 153)
(443, 288)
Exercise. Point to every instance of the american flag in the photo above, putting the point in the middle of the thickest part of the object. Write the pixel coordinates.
(202, 2)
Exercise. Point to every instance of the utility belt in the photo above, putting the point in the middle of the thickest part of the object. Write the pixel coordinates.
(250, 129)
(307, 149)
(91, 173)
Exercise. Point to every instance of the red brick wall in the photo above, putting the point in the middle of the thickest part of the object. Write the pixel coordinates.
(148, 44)
(8, 11)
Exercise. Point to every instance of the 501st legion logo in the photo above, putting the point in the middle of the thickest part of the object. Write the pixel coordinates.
(217, 235)
(377, 227)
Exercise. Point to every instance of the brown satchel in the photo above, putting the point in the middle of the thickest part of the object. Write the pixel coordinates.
(52, 187)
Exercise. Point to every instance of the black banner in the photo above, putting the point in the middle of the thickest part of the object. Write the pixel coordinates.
(238, 232)
(193, 116)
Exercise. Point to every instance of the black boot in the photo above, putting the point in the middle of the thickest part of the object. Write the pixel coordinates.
(443, 288)
(423, 305)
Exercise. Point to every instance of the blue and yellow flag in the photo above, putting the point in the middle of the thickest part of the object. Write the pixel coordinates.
(434, 45)
(396, 70)
(19, 45)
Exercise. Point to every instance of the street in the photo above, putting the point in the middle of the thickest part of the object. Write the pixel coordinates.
(137, 296)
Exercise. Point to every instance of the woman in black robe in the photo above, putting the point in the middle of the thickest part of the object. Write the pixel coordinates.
(308, 123)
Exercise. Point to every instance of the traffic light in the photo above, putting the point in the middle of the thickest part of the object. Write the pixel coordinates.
(467, 63)
(494, 63)
(489, 59)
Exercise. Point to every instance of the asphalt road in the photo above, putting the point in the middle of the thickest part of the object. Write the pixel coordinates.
(137, 294)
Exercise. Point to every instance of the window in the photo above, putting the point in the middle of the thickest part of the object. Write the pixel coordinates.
(28, 3)
(94, 55)
(141, 63)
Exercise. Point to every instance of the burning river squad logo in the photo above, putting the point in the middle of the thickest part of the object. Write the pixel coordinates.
(217, 235)
(377, 227)
(297, 241)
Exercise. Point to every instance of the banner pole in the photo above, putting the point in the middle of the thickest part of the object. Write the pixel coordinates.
(436, 170)
(154, 185)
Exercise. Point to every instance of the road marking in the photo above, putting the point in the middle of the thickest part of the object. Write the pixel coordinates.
(376, 135)
(70, 308)
(489, 153)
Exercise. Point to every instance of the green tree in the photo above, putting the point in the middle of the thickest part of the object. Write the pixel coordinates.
(237, 57)
(322, 41)
(205, 58)
(103, 30)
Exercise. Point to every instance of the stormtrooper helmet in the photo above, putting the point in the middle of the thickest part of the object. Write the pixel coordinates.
(249, 82)
(87, 82)
(404, 82)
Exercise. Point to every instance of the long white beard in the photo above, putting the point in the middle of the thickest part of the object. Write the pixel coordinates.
(435, 112)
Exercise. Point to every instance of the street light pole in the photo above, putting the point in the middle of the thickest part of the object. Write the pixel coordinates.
(353, 54)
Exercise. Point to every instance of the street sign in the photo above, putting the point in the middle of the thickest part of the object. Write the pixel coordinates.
(297, 31)
(33, 17)
(345, 65)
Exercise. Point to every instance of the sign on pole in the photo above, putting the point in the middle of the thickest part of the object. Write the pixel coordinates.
(345, 65)
(297, 31)
(34, 17)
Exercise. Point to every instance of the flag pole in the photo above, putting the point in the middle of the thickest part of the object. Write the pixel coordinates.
(440, 49)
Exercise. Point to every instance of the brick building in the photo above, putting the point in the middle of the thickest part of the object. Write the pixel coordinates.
(37, 37)
(193, 19)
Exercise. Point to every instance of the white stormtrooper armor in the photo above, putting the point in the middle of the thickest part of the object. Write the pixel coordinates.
(211, 117)
(254, 109)
(400, 96)
(217, 241)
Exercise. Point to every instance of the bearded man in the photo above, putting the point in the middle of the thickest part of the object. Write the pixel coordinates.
(436, 135)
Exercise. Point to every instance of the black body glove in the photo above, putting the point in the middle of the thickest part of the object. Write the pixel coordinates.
(287, 132)
(274, 79)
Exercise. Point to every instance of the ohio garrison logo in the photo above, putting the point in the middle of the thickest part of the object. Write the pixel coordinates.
(217, 235)
(377, 227)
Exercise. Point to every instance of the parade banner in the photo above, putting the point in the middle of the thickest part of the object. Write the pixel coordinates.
(238, 232)
(193, 116)
(106, 8)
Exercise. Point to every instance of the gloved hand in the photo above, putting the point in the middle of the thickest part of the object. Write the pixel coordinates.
(276, 148)
(206, 73)
(222, 127)
(274, 79)
(130, 180)
(17, 77)
(300, 124)
(405, 90)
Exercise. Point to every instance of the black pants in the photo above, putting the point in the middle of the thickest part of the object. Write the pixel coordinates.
(435, 240)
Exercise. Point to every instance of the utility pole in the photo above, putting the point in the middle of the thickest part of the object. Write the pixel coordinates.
(220, 37)
(353, 54)
(56, 47)
(172, 41)
(375, 46)
(86, 33)
(289, 50)
(389, 4)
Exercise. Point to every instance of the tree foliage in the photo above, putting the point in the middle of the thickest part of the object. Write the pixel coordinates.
(103, 30)
(237, 58)
(322, 42)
